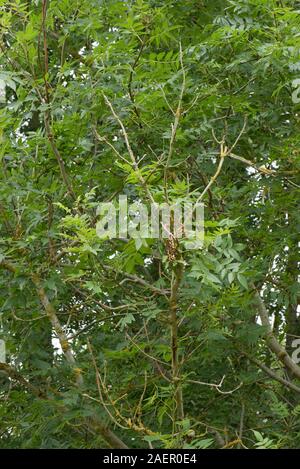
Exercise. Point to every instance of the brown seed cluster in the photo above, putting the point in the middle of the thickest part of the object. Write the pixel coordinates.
(171, 246)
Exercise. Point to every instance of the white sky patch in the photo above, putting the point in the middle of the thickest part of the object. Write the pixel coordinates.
(250, 170)
(57, 346)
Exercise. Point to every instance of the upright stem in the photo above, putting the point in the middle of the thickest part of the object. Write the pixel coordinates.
(173, 304)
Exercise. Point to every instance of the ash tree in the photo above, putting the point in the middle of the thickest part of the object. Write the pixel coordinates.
(142, 342)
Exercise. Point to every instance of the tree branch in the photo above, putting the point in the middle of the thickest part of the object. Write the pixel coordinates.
(272, 373)
(15, 375)
(272, 342)
(109, 436)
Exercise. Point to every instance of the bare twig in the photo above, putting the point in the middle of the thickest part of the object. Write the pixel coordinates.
(215, 386)
(260, 169)
(129, 149)
(174, 126)
(224, 151)
(238, 137)
(139, 280)
(272, 373)
(104, 139)
(130, 91)
(147, 354)
(223, 154)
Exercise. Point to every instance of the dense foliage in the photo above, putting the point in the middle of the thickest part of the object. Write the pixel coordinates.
(140, 342)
